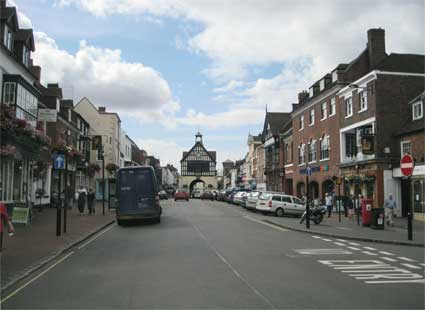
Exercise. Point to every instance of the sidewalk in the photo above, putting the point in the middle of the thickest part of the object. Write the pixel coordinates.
(35, 244)
(350, 230)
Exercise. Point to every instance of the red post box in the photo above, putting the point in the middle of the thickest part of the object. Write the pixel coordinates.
(367, 211)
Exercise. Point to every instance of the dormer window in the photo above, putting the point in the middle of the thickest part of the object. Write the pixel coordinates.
(26, 56)
(322, 84)
(334, 76)
(418, 110)
(8, 38)
(311, 92)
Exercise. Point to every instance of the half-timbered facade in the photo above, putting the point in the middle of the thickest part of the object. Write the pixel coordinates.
(198, 165)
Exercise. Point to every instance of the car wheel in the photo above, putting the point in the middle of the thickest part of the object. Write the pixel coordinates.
(158, 219)
(187, 199)
(279, 212)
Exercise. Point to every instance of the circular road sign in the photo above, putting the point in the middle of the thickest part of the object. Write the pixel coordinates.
(407, 165)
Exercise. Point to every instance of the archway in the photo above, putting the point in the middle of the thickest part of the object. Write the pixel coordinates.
(193, 184)
(300, 189)
(327, 187)
(313, 190)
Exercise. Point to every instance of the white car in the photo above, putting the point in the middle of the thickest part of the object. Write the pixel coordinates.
(196, 194)
(251, 200)
(280, 204)
(240, 198)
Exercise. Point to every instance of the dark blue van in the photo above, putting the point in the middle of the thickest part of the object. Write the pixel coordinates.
(137, 194)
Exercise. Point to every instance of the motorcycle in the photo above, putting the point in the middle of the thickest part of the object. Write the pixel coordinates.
(316, 214)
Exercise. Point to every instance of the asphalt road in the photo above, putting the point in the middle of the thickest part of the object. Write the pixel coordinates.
(211, 255)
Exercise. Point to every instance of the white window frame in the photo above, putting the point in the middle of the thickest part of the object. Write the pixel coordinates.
(362, 101)
(421, 107)
(8, 38)
(334, 76)
(348, 107)
(325, 141)
(402, 144)
(26, 56)
(312, 147)
(322, 84)
(310, 92)
(301, 154)
(312, 116)
(301, 122)
(332, 107)
(324, 107)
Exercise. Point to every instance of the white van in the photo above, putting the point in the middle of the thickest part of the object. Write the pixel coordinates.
(280, 204)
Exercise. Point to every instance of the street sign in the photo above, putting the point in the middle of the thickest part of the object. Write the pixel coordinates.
(308, 171)
(59, 162)
(20, 215)
(47, 115)
(407, 165)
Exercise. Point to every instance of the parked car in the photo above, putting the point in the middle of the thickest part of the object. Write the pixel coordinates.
(196, 194)
(181, 194)
(163, 195)
(231, 196)
(240, 198)
(280, 204)
(215, 193)
(223, 194)
(207, 195)
(251, 200)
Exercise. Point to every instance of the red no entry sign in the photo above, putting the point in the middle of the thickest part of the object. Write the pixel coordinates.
(407, 165)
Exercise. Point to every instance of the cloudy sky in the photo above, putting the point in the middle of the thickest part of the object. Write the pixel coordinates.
(171, 68)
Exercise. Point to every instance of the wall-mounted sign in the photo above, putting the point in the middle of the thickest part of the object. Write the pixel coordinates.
(368, 141)
(47, 115)
(20, 215)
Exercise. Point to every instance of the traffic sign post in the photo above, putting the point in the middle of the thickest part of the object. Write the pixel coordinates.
(407, 165)
(59, 165)
(308, 173)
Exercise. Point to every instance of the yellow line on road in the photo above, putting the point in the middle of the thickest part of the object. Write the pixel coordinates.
(35, 278)
(100, 234)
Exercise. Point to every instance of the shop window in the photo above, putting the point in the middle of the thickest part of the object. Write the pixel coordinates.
(405, 147)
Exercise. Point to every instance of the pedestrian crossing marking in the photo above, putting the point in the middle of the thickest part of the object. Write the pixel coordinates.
(389, 259)
(328, 240)
(386, 253)
(411, 266)
(369, 248)
(374, 271)
(353, 243)
(341, 240)
(337, 251)
(406, 259)
(353, 248)
(369, 253)
(317, 237)
(339, 243)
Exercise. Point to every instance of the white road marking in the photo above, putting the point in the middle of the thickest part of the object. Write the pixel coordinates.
(267, 224)
(369, 248)
(386, 253)
(411, 266)
(35, 278)
(353, 248)
(389, 259)
(328, 240)
(369, 253)
(423, 264)
(337, 251)
(374, 271)
(406, 259)
(97, 236)
(317, 237)
(353, 243)
(235, 272)
(339, 243)
(341, 240)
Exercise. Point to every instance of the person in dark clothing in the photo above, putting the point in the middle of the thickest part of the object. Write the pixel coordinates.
(82, 200)
(90, 201)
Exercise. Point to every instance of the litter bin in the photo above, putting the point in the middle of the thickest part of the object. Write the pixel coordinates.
(378, 218)
(366, 211)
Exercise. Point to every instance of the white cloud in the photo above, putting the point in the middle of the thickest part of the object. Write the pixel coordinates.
(231, 85)
(102, 75)
(169, 152)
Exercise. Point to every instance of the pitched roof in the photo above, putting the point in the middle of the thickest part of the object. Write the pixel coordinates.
(276, 120)
(212, 154)
(26, 36)
(410, 125)
(412, 63)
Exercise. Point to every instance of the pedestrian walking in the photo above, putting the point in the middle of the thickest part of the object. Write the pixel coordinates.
(82, 195)
(350, 206)
(90, 201)
(390, 205)
(69, 196)
(329, 203)
(4, 217)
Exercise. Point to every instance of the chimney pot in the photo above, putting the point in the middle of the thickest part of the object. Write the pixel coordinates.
(102, 109)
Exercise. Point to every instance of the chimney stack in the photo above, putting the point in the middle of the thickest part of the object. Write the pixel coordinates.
(302, 96)
(376, 46)
(102, 109)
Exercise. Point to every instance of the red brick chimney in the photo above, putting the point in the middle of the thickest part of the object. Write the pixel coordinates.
(376, 46)
(302, 95)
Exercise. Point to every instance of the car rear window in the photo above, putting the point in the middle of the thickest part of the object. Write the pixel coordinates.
(265, 196)
(139, 180)
(286, 199)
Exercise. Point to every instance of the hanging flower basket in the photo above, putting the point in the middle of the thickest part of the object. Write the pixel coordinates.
(75, 154)
(111, 168)
(7, 151)
(92, 169)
